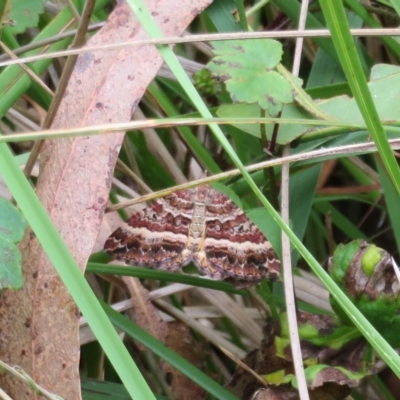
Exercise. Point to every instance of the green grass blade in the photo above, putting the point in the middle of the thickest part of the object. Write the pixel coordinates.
(220, 13)
(71, 275)
(396, 5)
(165, 276)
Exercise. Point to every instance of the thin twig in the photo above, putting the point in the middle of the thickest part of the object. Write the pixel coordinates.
(50, 40)
(126, 170)
(286, 251)
(208, 37)
(176, 122)
(27, 70)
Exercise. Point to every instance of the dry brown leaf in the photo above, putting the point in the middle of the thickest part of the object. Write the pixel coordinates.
(40, 323)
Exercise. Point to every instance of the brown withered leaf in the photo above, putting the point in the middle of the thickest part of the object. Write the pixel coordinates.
(40, 323)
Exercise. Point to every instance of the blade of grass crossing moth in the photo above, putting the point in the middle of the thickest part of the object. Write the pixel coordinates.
(370, 333)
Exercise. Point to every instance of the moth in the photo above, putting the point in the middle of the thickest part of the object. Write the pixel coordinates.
(199, 225)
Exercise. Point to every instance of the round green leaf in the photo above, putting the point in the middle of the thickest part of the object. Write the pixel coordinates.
(24, 14)
(247, 68)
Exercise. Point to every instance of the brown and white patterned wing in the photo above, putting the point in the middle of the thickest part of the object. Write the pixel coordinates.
(157, 235)
(235, 247)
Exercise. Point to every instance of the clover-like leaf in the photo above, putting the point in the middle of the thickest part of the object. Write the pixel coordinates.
(24, 14)
(247, 67)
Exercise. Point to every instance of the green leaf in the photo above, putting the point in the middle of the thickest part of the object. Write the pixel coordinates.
(12, 222)
(342, 257)
(321, 330)
(247, 69)
(12, 228)
(385, 89)
(10, 266)
(220, 13)
(25, 14)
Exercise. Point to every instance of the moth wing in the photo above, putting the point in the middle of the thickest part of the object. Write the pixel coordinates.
(157, 235)
(234, 247)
